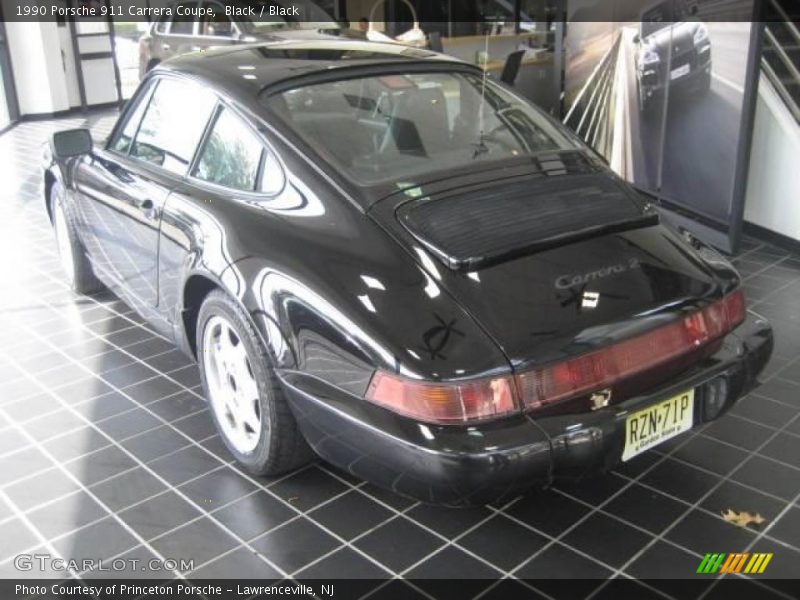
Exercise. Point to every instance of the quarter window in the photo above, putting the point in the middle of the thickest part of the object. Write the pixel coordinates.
(232, 154)
(173, 125)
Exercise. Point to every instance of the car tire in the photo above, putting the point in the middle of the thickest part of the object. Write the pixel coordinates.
(245, 397)
(74, 262)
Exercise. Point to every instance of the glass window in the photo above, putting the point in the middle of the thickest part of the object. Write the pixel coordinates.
(173, 124)
(124, 137)
(232, 154)
(388, 127)
(215, 23)
(183, 24)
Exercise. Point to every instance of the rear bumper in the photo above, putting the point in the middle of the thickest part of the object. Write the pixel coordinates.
(457, 465)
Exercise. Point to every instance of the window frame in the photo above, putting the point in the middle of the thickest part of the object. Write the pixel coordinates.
(145, 94)
(159, 168)
(223, 104)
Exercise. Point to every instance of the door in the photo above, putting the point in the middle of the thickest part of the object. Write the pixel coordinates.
(122, 188)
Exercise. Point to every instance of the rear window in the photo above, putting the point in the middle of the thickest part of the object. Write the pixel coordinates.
(382, 128)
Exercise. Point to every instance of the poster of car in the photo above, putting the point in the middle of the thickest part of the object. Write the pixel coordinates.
(659, 89)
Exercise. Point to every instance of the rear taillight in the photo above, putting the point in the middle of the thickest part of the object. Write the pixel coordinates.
(736, 308)
(444, 402)
(479, 399)
(604, 367)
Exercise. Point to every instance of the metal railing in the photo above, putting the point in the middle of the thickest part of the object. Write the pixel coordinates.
(780, 59)
(592, 111)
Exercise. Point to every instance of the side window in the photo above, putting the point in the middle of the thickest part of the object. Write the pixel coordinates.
(216, 23)
(124, 136)
(173, 125)
(232, 154)
(183, 24)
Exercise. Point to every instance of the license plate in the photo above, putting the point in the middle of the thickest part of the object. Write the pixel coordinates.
(657, 423)
(679, 72)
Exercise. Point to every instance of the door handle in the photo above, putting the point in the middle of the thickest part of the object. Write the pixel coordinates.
(148, 208)
(165, 46)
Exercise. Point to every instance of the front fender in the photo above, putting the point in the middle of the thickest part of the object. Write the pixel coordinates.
(52, 171)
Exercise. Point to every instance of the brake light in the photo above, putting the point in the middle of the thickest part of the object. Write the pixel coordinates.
(736, 308)
(444, 402)
(463, 402)
(604, 367)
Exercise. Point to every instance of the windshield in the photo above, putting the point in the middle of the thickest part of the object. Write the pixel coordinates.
(398, 126)
(665, 14)
(650, 27)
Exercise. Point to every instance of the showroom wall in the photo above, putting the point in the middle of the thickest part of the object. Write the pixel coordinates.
(773, 190)
(46, 77)
(39, 70)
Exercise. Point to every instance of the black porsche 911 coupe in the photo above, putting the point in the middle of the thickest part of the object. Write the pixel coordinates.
(379, 255)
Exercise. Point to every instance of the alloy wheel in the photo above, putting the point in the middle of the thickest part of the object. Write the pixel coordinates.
(232, 385)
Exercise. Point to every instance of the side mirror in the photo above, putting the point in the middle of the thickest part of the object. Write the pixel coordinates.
(72, 142)
(636, 39)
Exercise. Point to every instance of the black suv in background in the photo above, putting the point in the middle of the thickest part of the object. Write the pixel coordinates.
(689, 64)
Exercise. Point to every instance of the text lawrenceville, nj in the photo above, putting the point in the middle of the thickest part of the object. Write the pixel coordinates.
(178, 589)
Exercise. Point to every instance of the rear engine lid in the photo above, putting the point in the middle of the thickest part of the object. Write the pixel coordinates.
(583, 287)
(473, 228)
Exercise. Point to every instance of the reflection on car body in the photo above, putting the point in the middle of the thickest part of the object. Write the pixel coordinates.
(357, 282)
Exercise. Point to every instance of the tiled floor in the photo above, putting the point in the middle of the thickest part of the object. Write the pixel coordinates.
(107, 449)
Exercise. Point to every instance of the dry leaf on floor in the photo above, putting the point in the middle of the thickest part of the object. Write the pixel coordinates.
(742, 519)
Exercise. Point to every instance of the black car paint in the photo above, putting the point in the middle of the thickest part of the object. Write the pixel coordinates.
(302, 261)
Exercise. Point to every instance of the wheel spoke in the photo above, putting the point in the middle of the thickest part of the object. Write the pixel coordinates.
(244, 376)
(226, 344)
(249, 416)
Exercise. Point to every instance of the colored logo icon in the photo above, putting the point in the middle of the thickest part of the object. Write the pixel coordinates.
(741, 562)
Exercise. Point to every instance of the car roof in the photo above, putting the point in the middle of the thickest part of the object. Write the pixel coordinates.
(249, 69)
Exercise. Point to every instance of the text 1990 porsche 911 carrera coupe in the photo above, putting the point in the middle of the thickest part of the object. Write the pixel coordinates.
(379, 256)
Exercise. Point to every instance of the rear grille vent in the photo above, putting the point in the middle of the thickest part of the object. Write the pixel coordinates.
(489, 225)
